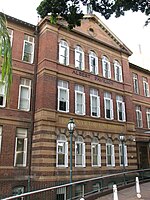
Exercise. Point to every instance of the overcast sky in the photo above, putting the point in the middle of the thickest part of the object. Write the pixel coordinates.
(129, 28)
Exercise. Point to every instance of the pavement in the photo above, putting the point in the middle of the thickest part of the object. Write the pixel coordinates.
(130, 193)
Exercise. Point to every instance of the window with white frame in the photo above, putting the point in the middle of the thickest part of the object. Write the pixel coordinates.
(118, 71)
(120, 108)
(61, 194)
(95, 103)
(135, 83)
(123, 154)
(106, 67)
(139, 117)
(21, 148)
(145, 87)
(2, 92)
(110, 153)
(79, 152)
(95, 152)
(63, 52)
(24, 94)
(0, 138)
(79, 58)
(97, 187)
(63, 96)
(93, 62)
(28, 49)
(79, 100)
(18, 190)
(62, 151)
(108, 105)
(79, 190)
(148, 117)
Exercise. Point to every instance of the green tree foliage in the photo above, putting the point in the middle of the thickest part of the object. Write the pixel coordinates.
(5, 54)
(71, 10)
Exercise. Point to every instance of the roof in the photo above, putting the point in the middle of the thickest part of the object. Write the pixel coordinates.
(18, 21)
(138, 68)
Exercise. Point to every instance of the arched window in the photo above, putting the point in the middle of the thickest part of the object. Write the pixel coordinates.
(93, 62)
(106, 67)
(123, 154)
(62, 151)
(63, 52)
(79, 152)
(110, 153)
(79, 58)
(117, 71)
(95, 152)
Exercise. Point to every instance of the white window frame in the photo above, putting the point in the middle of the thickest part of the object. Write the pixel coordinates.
(79, 141)
(79, 90)
(63, 52)
(118, 71)
(121, 155)
(94, 96)
(1, 138)
(18, 190)
(63, 86)
(28, 40)
(107, 98)
(80, 190)
(96, 187)
(3, 91)
(62, 140)
(145, 87)
(139, 117)
(135, 84)
(62, 191)
(79, 58)
(148, 118)
(21, 134)
(95, 144)
(93, 62)
(24, 83)
(111, 155)
(119, 101)
(106, 67)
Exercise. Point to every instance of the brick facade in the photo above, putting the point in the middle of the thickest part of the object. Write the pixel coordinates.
(45, 123)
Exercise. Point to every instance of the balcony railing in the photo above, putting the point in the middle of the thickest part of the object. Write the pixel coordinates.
(89, 188)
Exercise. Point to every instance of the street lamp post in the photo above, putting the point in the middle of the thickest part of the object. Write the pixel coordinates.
(122, 139)
(71, 126)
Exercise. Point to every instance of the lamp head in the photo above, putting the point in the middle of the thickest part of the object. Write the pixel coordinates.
(122, 137)
(71, 125)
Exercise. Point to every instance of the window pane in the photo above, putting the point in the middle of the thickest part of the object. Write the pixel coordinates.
(79, 154)
(24, 101)
(61, 153)
(1, 100)
(20, 144)
(61, 159)
(19, 158)
(79, 102)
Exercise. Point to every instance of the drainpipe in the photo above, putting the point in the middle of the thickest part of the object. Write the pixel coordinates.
(33, 102)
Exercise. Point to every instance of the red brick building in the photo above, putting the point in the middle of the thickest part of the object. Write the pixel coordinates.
(82, 74)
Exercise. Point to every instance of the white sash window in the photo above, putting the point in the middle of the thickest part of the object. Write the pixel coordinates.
(93, 62)
(63, 52)
(21, 148)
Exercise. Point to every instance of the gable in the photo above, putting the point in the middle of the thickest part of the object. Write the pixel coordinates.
(92, 26)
